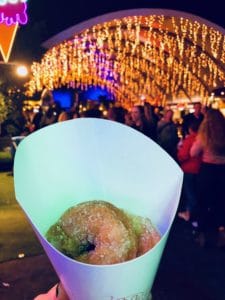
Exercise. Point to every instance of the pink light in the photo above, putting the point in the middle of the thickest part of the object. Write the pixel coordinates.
(13, 13)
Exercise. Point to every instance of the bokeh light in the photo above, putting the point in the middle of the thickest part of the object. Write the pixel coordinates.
(22, 71)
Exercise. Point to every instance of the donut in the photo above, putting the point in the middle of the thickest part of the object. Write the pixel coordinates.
(146, 233)
(97, 232)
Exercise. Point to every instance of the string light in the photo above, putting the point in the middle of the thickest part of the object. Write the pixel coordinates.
(155, 56)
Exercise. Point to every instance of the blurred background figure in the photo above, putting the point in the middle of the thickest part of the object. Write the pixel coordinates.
(128, 119)
(167, 136)
(190, 166)
(75, 115)
(197, 116)
(210, 143)
(151, 118)
(116, 114)
(63, 116)
(140, 122)
(93, 111)
(48, 112)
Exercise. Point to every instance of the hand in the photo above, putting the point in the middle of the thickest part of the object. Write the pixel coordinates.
(60, 292)
(57, 292)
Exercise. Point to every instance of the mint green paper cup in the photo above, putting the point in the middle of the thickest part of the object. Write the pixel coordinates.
(70, 162)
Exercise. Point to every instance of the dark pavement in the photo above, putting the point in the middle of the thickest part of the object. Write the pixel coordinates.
(186, 272)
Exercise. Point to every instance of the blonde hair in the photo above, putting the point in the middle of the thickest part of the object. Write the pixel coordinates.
(63, 116)
(212, 131)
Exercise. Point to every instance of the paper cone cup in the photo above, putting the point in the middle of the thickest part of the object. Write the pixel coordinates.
(88, 159)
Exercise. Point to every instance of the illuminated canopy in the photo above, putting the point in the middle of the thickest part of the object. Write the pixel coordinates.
(151, 54)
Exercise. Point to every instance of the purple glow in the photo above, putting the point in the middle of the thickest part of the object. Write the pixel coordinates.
(14, 13)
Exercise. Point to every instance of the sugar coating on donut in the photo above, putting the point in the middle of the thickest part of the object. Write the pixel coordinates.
(146, 233)
(97, 232)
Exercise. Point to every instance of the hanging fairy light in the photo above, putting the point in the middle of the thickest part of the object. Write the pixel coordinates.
(156, 56)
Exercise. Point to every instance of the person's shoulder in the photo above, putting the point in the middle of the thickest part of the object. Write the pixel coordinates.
(189, 139)
(186, 118)
(161, 123)
(189, 115)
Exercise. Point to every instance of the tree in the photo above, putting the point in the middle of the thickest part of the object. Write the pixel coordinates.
(12, 97)
(3, 110)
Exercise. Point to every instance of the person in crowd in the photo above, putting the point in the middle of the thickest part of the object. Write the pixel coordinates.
(140, 123)
(197, 116)
(167, 136)
(150, 114)
(128, 119)
(63, 116)
(93, 111)
(158, 111)
(190, 166)
(50, 114)
(116, 113)
(151, 118)
(210, 143)
(35, 122)
(50, 109)
(204, 109)
(75, 115)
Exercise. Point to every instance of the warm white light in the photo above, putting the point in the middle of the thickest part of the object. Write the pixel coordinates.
(22, 71)
(130, 59)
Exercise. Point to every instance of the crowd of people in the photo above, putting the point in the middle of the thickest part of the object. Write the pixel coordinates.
(201, 155)
(197, 145)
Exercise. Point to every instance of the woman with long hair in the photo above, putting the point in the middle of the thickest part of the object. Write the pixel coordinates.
(210, 142)
(140, 122)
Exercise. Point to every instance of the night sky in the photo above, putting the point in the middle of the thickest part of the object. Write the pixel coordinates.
(48, 17)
